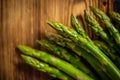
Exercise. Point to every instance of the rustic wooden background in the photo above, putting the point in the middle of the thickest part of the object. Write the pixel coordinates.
(24, 21)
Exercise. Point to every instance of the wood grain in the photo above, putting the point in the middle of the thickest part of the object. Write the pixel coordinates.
(24, 21)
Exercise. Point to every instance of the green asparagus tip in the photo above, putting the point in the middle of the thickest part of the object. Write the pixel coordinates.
(111, 12)
(72, 16)
(31, 61)
(114, 15)
(24, 57)
(47, 33)
(37, 41)
(55, 25)
(85, 13)
(91, 8)
(87, 17)
(21, 48)
(41, 41)
(50, 23)
(27, 59)
(73, 19)
(99, 13)
(50, 35)
(25, 49)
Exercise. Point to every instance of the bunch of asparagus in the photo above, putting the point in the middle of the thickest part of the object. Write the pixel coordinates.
(73, 48)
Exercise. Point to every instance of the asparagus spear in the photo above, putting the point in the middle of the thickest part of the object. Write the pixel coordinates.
(64, 42)
(115, 16)
(41, 66)
(109, 52)
(105, 19)
(60, 64)
(112, 70)
(72, 58)
(75, 24)
(91, 22)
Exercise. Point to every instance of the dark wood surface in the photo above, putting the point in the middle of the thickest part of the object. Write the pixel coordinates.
(24, 21)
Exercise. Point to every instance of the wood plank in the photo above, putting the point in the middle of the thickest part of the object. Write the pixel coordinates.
(24, 21)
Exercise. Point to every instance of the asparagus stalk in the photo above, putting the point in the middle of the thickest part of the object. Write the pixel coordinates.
(61, 52)
(60, 64)
(41, 66)
(112, 70)
(105, 19)
(91, 22)
(64, 42)
(109, 52)
(75, 24)
(115, 16)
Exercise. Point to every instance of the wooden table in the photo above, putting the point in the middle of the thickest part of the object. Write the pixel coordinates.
(24, 21)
